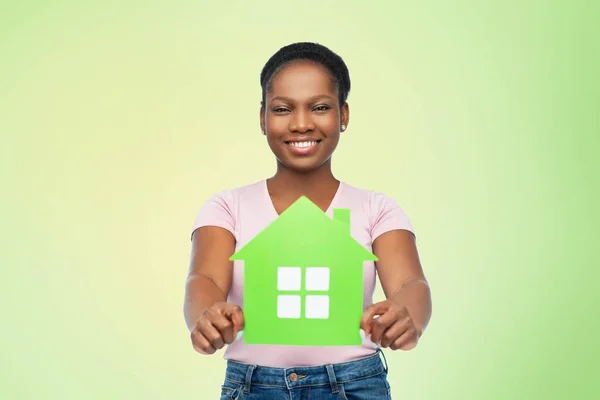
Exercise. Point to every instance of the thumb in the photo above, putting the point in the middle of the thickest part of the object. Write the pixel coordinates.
(368, 315)
(236, 316)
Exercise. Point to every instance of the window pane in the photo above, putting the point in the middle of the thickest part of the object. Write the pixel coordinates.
(289, 278)
(317, 307)
(288, 306)
(317, 278)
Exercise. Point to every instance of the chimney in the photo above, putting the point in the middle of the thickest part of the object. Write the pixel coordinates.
(342, 215)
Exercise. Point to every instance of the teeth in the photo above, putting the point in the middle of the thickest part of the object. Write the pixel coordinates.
(303, 144)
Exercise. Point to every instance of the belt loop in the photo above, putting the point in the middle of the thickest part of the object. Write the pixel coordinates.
(248, 381)
(384, 359)
(332, 380)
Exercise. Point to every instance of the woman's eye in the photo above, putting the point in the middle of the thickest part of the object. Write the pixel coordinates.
(279, 109)
(321, 108)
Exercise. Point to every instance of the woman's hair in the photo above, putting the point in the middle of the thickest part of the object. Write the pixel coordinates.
(338, 72)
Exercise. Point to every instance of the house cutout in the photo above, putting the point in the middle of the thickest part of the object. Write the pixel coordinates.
(303, 280)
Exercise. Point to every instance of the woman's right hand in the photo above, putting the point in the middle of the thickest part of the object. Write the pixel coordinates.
(218, 326)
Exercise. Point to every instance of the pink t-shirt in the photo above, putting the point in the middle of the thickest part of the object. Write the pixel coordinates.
(247, 210)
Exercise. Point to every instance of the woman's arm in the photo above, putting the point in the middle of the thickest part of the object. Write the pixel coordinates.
(408, 298)
(211, 321)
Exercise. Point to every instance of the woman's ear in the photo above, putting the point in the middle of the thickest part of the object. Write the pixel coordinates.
(345, 116)
(262, 119)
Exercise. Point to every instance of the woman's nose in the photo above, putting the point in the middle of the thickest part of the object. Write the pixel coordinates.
(301, 122)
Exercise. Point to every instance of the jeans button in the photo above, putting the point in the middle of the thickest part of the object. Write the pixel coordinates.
(293, 377)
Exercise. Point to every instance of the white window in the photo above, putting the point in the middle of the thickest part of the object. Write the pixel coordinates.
(288, 306)
(317, 278)
(317, 306)
(289, 278)
(310, 291)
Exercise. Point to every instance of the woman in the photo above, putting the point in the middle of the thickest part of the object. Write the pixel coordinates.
(303, 113)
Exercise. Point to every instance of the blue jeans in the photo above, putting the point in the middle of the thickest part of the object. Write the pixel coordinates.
(363, 379)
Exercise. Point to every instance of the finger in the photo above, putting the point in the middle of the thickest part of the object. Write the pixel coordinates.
(212, 334)
(369, 313)
(236, 315)
(201, 343)
(393, 333)
(380, 325)
(225, 328)
(407, 341)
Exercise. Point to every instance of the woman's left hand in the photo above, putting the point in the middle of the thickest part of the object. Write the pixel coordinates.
(393, 328)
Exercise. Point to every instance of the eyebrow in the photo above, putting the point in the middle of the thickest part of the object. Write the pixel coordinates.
(319, 96)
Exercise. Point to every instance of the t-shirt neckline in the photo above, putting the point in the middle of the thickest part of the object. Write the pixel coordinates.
(272, 206)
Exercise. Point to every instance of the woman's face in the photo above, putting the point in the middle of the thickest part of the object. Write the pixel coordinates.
(302, 118)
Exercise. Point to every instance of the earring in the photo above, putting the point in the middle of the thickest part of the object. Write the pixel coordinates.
(263, 132)
(343, 128)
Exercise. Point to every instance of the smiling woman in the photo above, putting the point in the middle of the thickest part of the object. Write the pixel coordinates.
(303, 112)
(304, 107)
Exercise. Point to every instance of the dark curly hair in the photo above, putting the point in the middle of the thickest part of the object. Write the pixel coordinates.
(340, 77)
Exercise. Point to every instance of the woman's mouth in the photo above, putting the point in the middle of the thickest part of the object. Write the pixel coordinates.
(304, 147)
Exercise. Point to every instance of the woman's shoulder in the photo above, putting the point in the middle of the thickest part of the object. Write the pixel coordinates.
(368, 196)
(222, 207)
(232, 194)
(383, 210)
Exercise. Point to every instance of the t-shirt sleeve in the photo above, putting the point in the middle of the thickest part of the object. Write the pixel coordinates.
(387, 215)
(217, 211)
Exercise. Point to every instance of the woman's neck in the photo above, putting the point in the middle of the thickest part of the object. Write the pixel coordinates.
(318, 184)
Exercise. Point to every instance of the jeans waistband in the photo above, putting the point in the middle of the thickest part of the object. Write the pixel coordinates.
(296, 377)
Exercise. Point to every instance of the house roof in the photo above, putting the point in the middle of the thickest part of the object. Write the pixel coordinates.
(304, 234)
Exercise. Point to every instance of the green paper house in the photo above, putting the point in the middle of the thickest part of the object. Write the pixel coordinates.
(303, 280)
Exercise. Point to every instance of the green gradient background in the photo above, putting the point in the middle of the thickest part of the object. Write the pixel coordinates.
(118, 120)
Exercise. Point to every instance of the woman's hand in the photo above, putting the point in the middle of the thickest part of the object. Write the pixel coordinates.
(393, 328)
(218, 326)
